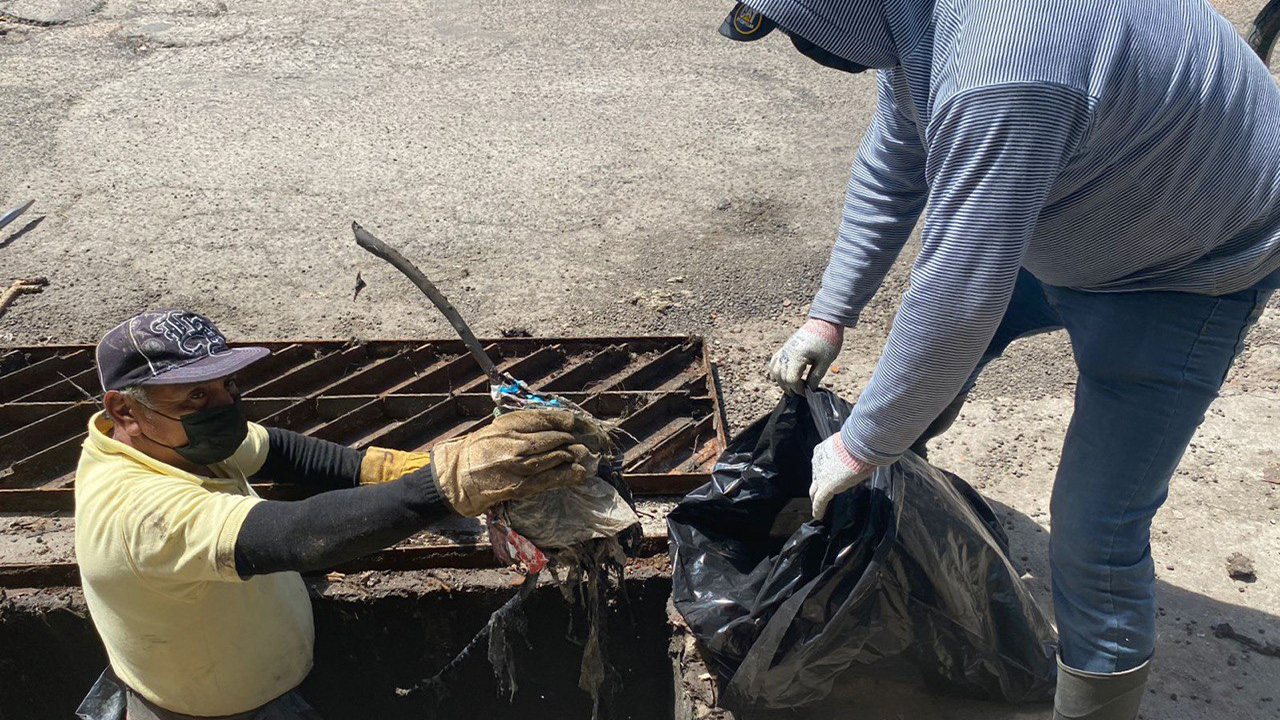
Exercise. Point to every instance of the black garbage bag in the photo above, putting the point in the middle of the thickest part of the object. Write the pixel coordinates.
(908, 577)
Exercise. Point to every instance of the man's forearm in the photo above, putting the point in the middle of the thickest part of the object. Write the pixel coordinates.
(886, 193)
(997, 152)
(295, 458)
(335, 527)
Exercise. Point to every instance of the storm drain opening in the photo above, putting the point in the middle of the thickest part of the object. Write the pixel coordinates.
(386, 621)
(377, 634)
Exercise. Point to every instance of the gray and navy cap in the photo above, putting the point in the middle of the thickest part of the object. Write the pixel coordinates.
(746, 24)
(168, 347)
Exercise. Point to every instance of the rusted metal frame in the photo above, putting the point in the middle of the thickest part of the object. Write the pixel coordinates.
(83, 385)
(69, 422)
(348, 418)
(642, 377)
(29, 500)
(712, 388)
(300, 406)
(78, 358)
(44, 467)
(362, 422)
(631, 427)
(312, 373)
(697, 384)
(686, 439)
(42, 372)
(370, 380)
(452, 346)
(664, 484)
(459, 556)
(527, 368)
(457, 371)
(582, 374)
(400, 436)
(269, 367)
(41, 500)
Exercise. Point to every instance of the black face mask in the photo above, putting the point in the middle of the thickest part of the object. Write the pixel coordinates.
(213, 434)
(824, 58)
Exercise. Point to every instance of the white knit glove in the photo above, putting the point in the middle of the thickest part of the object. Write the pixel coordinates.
(835, 470)
(813, 347)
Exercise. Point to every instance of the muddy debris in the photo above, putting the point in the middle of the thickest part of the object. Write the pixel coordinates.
(1225, 631)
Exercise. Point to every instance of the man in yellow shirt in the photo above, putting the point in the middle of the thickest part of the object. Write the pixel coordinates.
(191, 579)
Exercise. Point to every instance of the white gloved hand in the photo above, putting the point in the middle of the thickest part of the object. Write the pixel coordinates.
(835, 470)
(814, 347)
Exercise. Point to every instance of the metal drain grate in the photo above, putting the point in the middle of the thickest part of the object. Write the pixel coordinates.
(399, 394)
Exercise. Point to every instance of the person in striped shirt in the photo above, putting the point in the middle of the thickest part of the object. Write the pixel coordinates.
(1111, 167)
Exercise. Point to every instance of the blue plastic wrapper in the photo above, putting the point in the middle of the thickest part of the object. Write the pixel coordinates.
(908, 577)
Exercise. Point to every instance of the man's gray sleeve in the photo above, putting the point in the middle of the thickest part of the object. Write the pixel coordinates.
(994, 154)
(886, 192)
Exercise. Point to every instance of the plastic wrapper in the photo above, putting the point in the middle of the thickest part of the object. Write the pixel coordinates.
(564, 517)
(908, 577)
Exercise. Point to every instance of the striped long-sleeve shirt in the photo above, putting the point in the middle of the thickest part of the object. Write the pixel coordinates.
(1104, 145)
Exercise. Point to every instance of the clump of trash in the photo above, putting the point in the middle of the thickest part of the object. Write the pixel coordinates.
(578, 537)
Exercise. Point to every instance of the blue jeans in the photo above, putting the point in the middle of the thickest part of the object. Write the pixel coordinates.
(1149, 365)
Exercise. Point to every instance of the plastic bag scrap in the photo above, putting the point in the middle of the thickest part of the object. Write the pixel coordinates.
(602, 508)
(908, 577)
(581, 534)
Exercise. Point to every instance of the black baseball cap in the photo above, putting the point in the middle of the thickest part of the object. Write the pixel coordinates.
(746, 24)
(168, 347)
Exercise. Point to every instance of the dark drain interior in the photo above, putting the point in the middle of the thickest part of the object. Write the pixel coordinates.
(375, 636)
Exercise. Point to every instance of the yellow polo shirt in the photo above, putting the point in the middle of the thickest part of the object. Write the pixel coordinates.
(156, 548)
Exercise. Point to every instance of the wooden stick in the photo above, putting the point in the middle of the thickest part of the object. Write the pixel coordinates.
(366, 240)
(20, 286)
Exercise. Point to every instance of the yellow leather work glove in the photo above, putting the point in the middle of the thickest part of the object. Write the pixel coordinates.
(522, 453)
(383, 464)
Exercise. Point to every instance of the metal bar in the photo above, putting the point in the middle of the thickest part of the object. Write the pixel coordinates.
(712, 388)
(523, 368)
(266, 369)
(353, 427)
(658, 484)
(684, 441)
(458, 371)
(304, 378)
(68, 422)
(380, 375)
(658, 368)
(587, 373)
(83, 385)
(475, 556)
(27, 500)
(43, 467)
(43, 500)
(408, 434)
(43, 372)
